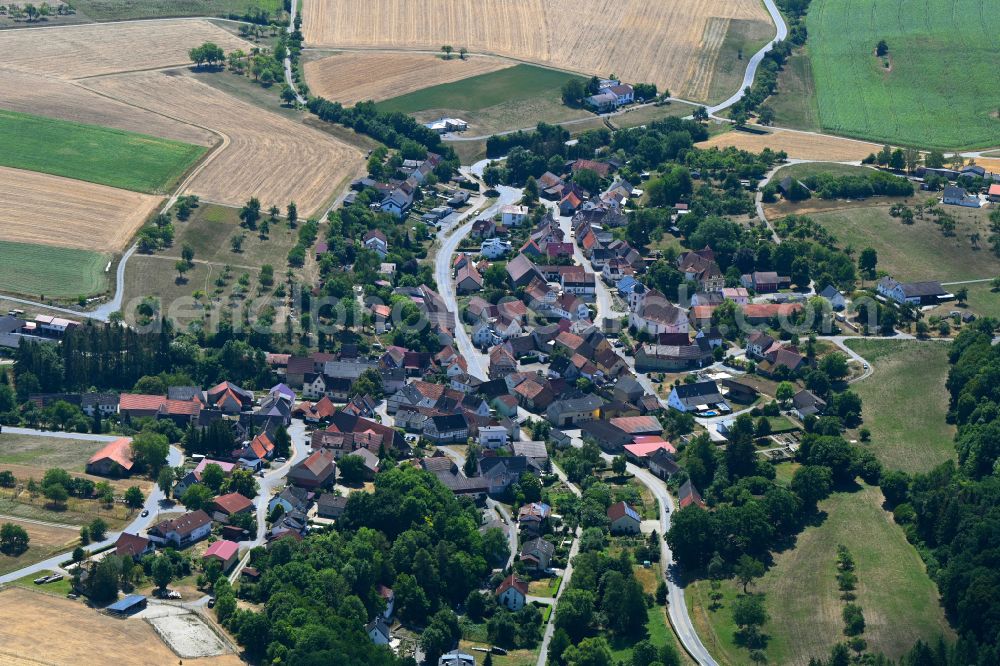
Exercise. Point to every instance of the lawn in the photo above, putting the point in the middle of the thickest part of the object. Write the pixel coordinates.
(899, 600)
(210, 229)
(939, 90)
(95, 154)
(53, 272)
(904, 403)
(913, 252)
(809, 169)
(658, 632)
(794, 103)
(106, 10)
(511, 98)
(59, 588)
(647, 114)
(982, 299)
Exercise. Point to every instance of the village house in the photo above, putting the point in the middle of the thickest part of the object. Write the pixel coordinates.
(224, 507)
(182, 531)
(698, 397)
(225, 552)
(536, 554)
(513, 215)
(512, 593)
(570, 411)
(655, 314)
(764, 282)
(531, 518)
(316, 471)
(913, 293)
(624, 519)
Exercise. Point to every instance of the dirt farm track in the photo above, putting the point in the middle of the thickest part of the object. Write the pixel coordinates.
(674, 44)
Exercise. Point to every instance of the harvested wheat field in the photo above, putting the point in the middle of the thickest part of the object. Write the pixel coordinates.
(77, 51)
(798, 145)
(65, 100)
(264, 155)
(667, 43)
(37, 628)
(50, 210)
(355, 77)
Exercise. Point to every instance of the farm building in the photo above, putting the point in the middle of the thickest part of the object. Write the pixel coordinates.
(224, 552)
(133, 603)
(445, 125)
(115, 459)
(315, 471)
(957, 196)
(914, 293)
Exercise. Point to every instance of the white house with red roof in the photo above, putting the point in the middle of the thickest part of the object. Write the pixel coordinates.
(512, 593)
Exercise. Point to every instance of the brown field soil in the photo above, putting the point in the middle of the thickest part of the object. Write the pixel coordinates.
(349, 78)
(77, 51)
(264, 154)
(78, 635)
(44, 542)
(672, 44)
(49, 210)
(797, 144)
(65, 100)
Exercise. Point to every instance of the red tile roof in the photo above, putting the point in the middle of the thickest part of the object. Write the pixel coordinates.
(512, 581)
(130, 544)
(224, 550)
(120, 451)
(138, 401)
(231, 503)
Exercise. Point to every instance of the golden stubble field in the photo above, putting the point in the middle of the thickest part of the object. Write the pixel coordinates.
(667, 43)
(78, 51)
(50, 210)
(354, 77)
(263, 154)
(67, 100)
(798, 145)
(38, 628)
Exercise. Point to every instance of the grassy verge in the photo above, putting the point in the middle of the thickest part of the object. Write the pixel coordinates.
(59, 588)
(107, 10)
(794, 104)
(899, 600)
(95, 154)
(53, 272)
(904, 402)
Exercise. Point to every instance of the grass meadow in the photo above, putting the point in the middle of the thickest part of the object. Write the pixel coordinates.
(107, 10)
(95, 154)
(52, 272)
(898, 598)
(511, 98)
(935, 89)
(904, 403)
(912, 252)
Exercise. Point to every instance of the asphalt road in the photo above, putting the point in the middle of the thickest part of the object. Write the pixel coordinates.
(155, 502)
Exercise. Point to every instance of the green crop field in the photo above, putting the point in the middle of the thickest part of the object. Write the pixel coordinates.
(521, 82)
(904, 403)
(55, 272)
(939, 90)
(106, 10)
(899, 600)
(96, 154)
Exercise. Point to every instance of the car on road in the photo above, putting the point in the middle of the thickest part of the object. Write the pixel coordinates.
(211, 602)
(280, 459)
(145, 512)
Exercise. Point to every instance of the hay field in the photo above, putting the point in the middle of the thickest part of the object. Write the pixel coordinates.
(356, 77)
(50, 210)
(78, 51)
(78, 635)
(797, 144)
(263, 154)
(44, 541)
(65, 100)
(667, 43)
